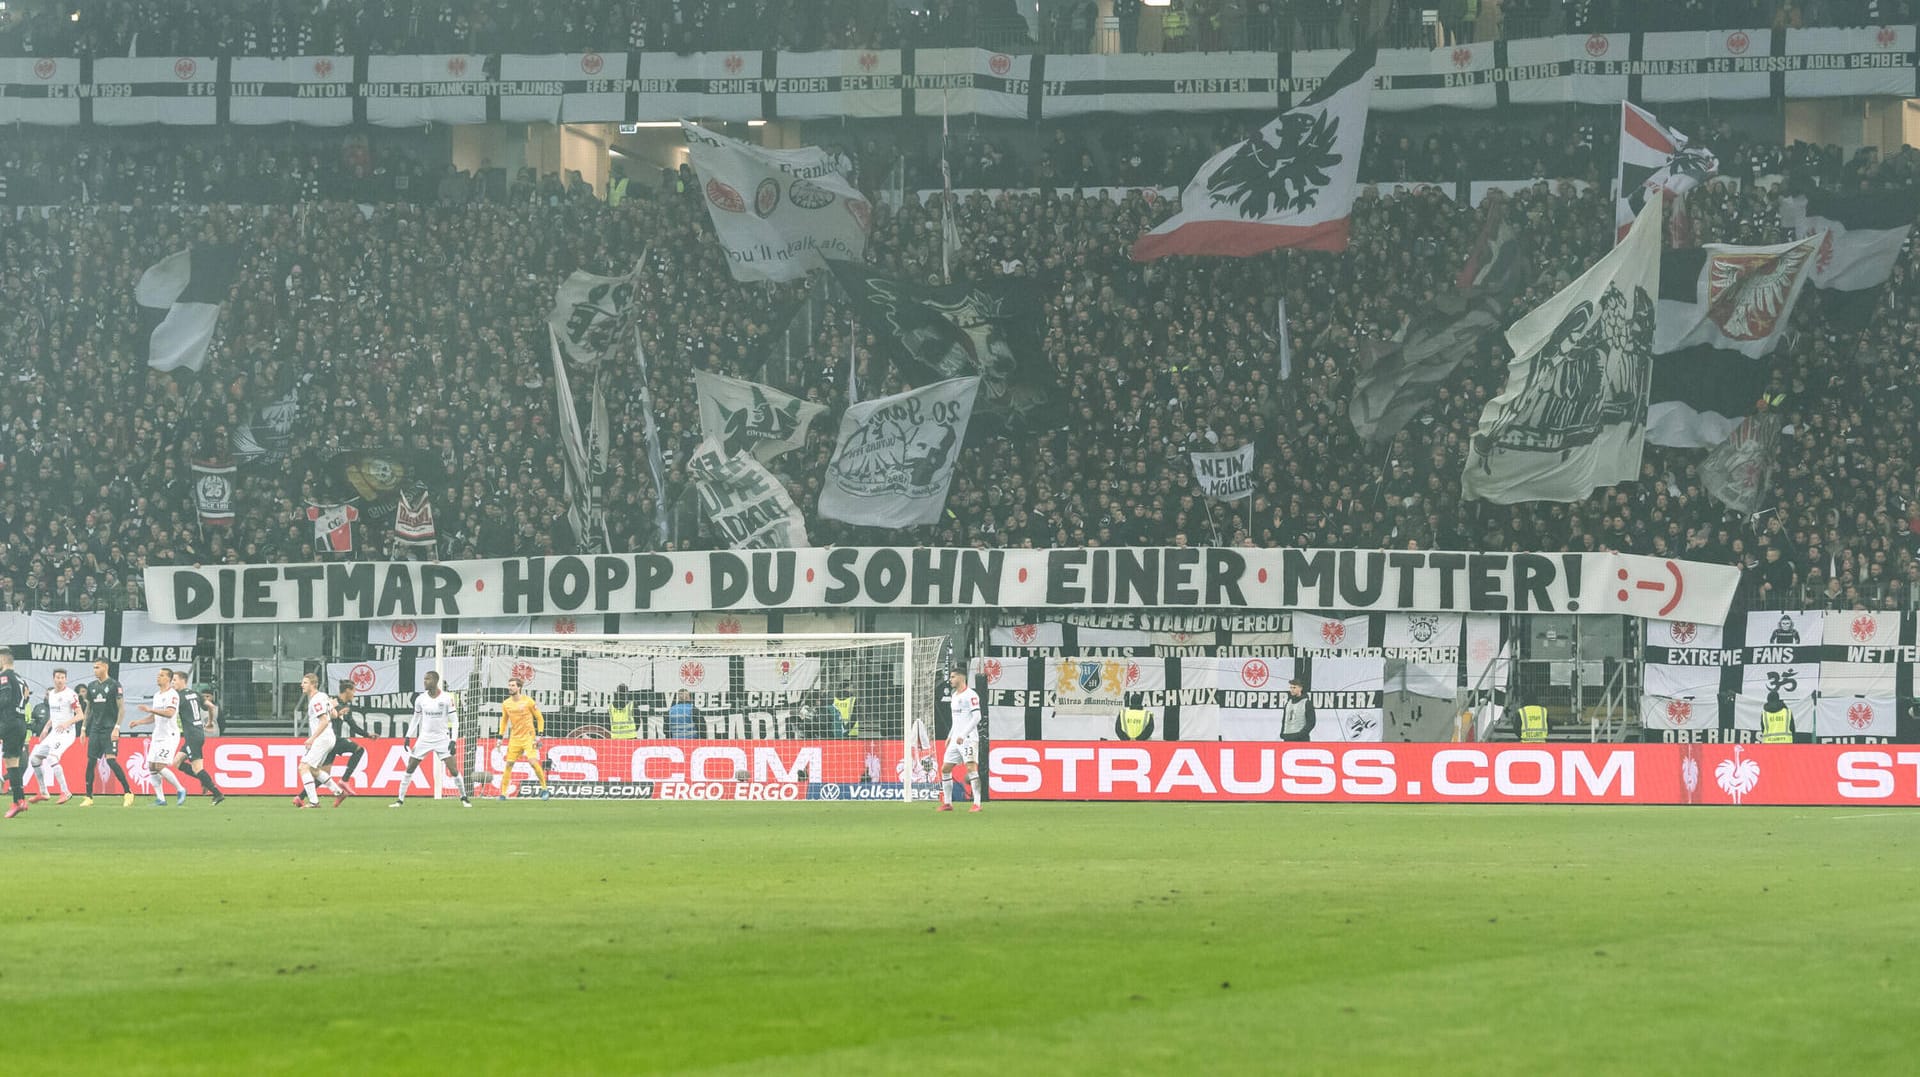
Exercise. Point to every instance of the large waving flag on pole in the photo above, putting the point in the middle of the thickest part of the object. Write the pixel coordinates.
(1573, 415)
(1290, 185)
(1653, 157)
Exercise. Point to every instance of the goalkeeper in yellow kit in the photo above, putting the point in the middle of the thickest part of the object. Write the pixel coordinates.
(521, 724)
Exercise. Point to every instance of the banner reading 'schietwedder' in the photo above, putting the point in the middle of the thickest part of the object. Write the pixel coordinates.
(907, 578)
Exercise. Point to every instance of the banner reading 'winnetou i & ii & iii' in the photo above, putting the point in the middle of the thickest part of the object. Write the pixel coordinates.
(909, 577)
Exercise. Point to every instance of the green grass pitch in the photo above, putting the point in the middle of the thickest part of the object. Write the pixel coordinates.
(544, 938)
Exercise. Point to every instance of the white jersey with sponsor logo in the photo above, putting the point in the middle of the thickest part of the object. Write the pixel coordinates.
(63, 704)
(319, 713)
(966, 717)
(166, 726)
(433, 717)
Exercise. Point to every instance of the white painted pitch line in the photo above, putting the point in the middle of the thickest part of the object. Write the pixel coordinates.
(1868, 815)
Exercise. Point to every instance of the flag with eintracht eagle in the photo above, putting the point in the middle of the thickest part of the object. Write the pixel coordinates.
(777, 213)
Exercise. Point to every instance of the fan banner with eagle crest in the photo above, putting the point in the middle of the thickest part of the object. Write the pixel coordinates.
(1573, 414)
(1737, 472)
(1722, 311)
(745, 416)
(1733, 298)
(1290, 185)
(986, 330)
(1654, 158)
(894, 460)
(778, 214)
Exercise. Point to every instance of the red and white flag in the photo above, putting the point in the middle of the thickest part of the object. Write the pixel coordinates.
(1290, 185)
(1654, 157)
(413, 520)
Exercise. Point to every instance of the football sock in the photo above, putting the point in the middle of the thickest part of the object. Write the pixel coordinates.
(205, 778)
(353, 761)
(538, 771)
(15, 784)
(173, 779)
(306, 789)
(120, 772)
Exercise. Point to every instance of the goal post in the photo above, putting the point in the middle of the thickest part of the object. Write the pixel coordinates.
(779, 716)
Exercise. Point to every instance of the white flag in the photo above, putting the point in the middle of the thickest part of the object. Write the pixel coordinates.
(588, 315)
(777, 213)
(744, 501)
(1573, 415)
(895, 457)
(1225, 476)
(745, 416)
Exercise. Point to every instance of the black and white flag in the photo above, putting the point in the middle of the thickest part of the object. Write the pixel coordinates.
(589, 314)
(1573, 414)
(744, 502)
(1290, 185)
(777, 213)
(213, 492)
(265, 439)
(1401, 373)
(990, 330)
(1722, 311)
(185, 290)
(583, 469)
(895, 456)
(1225, 476)
(1861, 235)
(745, 416)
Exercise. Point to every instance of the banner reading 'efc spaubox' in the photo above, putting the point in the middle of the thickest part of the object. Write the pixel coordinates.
(1457, 773)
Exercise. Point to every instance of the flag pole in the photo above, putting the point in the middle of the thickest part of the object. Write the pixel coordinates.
(947, 233)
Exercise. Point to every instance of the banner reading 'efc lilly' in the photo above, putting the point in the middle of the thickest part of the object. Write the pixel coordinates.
(893, 577)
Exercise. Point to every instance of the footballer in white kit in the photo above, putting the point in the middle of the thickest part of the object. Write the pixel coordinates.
(432, 734)
(963, 742)
(317, 757)
(163, 747)
(63, 728)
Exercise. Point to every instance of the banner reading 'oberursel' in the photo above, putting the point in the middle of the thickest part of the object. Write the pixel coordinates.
(911, 578)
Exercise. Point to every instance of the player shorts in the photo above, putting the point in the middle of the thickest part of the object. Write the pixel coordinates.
(13, 736)
(52, 747)
(99, 740)
(163, 750)
(346, 746)
(519, 749)
(423, 747)
(194, 743)
(321, 754)
(960, 751)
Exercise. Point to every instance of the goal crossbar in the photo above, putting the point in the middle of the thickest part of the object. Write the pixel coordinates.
(894, 706)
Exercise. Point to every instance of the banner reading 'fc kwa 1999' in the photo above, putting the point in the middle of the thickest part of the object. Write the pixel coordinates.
(892, 577)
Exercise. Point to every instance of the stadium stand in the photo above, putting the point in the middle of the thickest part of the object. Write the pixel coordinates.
(367, 266)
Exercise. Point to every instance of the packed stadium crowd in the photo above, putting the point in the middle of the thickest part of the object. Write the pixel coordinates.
(334, 27)
(45, 168)
(419, 327)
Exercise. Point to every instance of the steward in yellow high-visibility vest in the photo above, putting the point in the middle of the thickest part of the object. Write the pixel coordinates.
(1533, 724)
(843, 706)
(1776, 721)
(620, 724)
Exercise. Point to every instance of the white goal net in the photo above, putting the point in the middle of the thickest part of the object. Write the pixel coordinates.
(703, 717)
